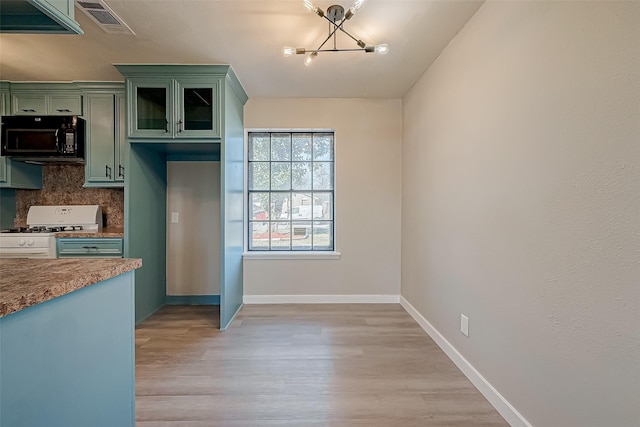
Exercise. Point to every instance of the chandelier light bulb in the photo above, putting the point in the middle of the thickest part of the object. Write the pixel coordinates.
(309, 59)
(382, 49)
(288, 51)
(308, 5)
(357, 5)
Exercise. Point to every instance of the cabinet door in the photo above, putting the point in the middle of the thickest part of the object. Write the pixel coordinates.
(150, 114)
(65, 105)
(121, 143)
(29, 105)
(3, 170)
(198, 110)
(100, 138)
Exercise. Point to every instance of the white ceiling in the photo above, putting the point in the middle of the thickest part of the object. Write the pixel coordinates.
(249, 35)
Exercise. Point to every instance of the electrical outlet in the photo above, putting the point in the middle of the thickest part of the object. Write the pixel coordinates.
(464, 325)
(175, 217)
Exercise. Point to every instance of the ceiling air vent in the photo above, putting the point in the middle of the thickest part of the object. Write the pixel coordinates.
(101, 14)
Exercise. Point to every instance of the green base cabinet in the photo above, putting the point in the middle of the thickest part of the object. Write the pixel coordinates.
(76, 247)
(70, 361)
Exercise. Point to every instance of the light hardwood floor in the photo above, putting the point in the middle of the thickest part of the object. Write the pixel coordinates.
(299, 365)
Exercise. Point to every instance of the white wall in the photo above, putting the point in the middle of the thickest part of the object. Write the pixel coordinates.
(368, 136)
(193, 244)
(521, 205)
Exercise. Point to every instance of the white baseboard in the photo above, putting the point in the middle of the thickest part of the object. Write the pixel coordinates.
(508, 412)
(321, 299)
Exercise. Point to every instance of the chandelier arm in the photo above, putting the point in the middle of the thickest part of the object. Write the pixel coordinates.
(330, 34)
(347, 33)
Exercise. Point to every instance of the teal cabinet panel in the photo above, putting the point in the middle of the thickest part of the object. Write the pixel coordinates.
(150, 114)
(70, 361)
(89, 247)
(20, 175)
(163, 105)
(39, 16)
(29, 104)
(35, 102)
(106, 143)
(64, 105)
(199, 109)
(121, 143)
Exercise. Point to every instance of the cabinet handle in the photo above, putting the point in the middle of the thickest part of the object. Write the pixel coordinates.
(120, 171)
(179, 126)
(166, 126)
(28, 110)
(107, 171)
(63, 110)
(89, 247)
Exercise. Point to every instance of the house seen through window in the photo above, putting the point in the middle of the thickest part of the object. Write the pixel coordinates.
(291, 191)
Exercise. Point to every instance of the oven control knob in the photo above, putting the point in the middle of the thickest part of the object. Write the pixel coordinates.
(30, 242)
(21, 242)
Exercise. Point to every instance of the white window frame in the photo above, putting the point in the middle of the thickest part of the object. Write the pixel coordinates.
(288, 254)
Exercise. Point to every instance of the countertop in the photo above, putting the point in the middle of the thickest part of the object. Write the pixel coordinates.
(27, 282)
(105, 232)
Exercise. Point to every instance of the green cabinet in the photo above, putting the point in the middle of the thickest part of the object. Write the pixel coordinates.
(175, 107)
(37, 103)
(16, 174)
(106, 145)
(38, 16)
(76, 247)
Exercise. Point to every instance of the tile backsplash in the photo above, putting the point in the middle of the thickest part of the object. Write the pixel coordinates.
(62, 185)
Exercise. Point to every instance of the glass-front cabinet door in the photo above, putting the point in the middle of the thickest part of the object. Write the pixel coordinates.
(199, 110)
(151, 114)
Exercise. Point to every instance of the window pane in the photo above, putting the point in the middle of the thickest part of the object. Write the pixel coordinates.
(259, 176)
(301, 175)
(280, 176)
(259, 206)
(322, 146)
(281, 146)
(323, 235)
(259, 147)
(302, 206)
(301, 146)
(280, 235)
(323, 205)
(259, 235)
(280, 203)
(323, 176)
(301, 236)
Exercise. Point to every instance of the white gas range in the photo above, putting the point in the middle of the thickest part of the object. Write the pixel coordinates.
(38, 239)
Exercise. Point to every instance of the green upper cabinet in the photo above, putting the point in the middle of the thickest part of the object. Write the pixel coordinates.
(38, 16)
(106, 145)
(35, 101)
(173, 102)
(174, 108)
(16, 174)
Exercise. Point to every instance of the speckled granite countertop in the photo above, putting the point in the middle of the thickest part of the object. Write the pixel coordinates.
(27, 282)
(105, 232)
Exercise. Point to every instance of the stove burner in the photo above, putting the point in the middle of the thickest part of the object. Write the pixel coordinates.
(43, 229)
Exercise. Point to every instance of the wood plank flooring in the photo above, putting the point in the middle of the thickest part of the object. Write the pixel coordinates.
(299, 365)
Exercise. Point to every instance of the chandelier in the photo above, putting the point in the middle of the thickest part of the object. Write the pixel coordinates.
(337, 16)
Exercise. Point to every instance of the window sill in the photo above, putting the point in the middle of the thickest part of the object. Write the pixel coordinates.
(301, 255)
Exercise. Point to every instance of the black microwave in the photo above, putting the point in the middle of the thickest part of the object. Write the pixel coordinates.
(43, 139)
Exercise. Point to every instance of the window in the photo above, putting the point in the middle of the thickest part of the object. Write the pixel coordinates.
(291, 191)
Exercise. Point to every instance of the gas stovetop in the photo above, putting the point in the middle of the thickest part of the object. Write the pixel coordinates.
(43, 229)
